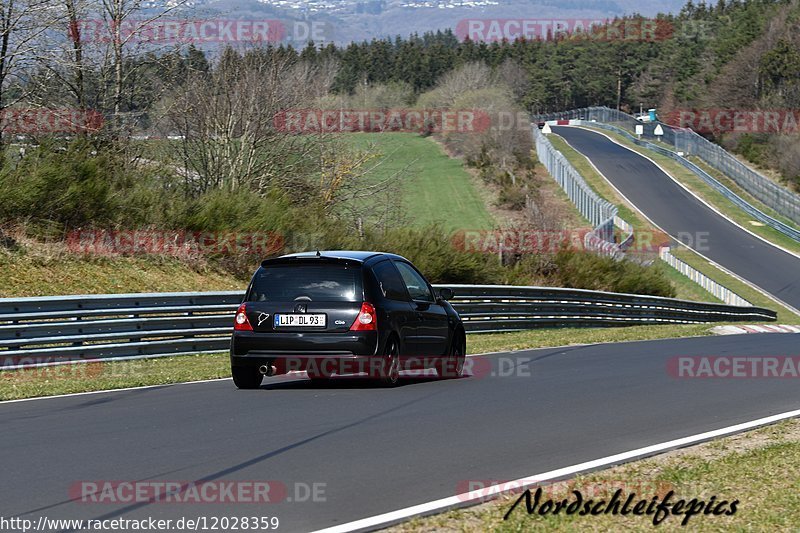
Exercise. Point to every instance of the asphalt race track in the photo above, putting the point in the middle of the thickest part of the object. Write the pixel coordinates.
(376, 450)
(682, 215)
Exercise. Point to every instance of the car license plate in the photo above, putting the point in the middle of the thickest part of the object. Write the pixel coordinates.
(300, 320)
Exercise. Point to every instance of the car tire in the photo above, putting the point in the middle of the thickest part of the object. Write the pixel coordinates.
(246, 377)
(389, 373)
(453, 365)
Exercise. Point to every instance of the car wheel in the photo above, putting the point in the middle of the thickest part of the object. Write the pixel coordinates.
(453, 365)
(246, 377)
(390, 365)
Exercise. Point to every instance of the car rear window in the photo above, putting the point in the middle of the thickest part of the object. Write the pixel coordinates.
(316, 283)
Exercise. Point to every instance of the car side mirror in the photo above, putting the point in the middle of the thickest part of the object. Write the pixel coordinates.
(446, 294)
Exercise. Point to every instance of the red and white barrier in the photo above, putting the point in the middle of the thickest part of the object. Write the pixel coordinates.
(749, 328)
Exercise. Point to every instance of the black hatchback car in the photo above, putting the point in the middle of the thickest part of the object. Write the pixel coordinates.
(344, 312)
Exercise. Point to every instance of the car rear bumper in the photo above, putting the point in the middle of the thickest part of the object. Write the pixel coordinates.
(299, 351)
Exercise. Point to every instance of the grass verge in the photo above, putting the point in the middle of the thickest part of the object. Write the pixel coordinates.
(758, 468)
(37, 273)
(66, 379)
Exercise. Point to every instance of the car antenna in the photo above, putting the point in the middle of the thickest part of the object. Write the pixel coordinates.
(319, 254)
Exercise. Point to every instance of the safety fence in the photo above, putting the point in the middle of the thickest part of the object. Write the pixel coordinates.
(594, 208)
(599, 212)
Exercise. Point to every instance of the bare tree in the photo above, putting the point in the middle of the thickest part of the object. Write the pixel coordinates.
(226, 124)
(500, 136)
(22, 25)
(120, 14)
(513, 76)
(350, 191)
(96, 56)
(469, 77)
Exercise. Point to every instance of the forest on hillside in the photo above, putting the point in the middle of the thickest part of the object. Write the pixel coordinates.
(177, 138)
(733, 54)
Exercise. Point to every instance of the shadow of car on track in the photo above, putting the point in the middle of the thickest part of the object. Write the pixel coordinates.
(351, 382)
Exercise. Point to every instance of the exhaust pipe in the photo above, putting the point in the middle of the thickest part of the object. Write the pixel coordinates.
(267, 370)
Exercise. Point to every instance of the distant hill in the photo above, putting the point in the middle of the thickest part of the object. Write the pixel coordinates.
(344, 21)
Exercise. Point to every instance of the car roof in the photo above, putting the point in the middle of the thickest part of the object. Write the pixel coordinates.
(359, 256)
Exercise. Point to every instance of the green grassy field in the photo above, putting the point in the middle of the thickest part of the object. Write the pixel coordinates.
(435, 188)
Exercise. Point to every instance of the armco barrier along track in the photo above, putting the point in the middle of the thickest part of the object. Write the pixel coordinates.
(52, 330)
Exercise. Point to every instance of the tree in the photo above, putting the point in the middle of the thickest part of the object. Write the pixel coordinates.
(23, 23)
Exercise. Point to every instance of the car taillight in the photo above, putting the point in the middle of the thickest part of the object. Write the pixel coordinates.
(366, 319)
(241, 323)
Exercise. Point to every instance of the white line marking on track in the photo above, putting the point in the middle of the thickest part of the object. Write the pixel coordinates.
(467, 498)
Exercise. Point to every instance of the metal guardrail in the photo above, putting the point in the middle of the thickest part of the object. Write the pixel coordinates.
(492, 308)
(44, 331)
(598, 211)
